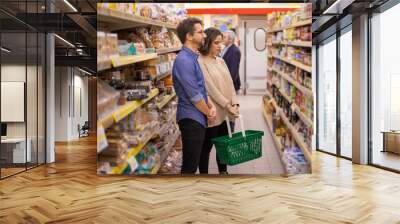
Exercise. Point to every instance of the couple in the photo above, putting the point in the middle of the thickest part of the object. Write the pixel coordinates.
(206, 94)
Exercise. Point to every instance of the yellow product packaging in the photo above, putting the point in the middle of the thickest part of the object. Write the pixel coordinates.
(134, 8)
(109, 5)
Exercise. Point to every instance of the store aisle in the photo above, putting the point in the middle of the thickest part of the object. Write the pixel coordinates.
(269, 163)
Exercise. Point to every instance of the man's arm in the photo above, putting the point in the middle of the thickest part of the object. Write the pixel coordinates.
(236, 64)
(185, 75)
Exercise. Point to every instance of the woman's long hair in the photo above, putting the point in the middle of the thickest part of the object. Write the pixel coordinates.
(212, 34)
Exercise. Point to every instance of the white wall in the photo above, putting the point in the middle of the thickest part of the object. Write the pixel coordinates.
(15, 73)
(69, 85)
(33, 127)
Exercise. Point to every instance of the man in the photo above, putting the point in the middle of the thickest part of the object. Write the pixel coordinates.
(231, 55)
(194, 108)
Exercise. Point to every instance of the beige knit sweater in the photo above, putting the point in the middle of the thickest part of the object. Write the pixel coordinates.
(219, 86)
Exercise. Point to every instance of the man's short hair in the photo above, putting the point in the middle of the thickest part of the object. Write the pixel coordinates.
(230, 35)
(187, 26)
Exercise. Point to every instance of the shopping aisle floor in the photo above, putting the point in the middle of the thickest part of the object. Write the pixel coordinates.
(269, 163)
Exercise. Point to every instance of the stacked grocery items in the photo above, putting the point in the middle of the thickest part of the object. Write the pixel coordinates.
(292, 53)
(173, 161)
(164, 12)
(140, 142)
(142, 41)
(160, 67)
(289, 98)
(283, 20)
(295, 161)
(136, 98)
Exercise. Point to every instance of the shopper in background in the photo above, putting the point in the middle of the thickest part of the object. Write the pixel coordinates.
(231, 55)
(194, 107)
(221, 92)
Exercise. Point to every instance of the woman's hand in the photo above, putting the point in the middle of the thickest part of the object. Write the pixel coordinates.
(234, 110)
(212, 115)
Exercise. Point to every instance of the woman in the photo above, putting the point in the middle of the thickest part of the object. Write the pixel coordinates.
(221, 92)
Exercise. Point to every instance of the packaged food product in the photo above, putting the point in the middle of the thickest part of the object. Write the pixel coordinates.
(145, 10)
(109, 5)
(107, 98)
(101, 46)
(133, 38)
(117, 83)
(157, 37)
(168, 81)
(123, 47)
(140, 48)
(116, 147)
(141, 74)
(153, 71)
(136, 94)
(122, 98)
(143, 33)
(112, 42)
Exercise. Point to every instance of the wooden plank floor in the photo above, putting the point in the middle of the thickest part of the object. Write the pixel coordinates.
(69, 191)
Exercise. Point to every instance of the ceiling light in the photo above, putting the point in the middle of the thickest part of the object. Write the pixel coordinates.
(86, 72)
(70, 5)
(79, 50)
(65, 41)
(5, 49)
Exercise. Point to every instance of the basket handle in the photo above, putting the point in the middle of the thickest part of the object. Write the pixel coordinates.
(241, 126)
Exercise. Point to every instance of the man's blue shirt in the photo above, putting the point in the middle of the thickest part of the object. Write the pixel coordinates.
(189, 86)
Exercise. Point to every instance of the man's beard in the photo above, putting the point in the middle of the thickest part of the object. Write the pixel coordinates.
(202, 43)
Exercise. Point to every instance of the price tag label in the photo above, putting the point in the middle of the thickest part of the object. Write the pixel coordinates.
(133, 164)
(102, 142)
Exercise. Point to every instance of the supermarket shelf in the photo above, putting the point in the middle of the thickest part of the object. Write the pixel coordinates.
(285, 96)
(165, 126)
(168, 50)
(302, 116)
(120, 20)
(273, 100)
(301, 23)
(299, 86)
(276, 140)
(163, 76)
(298, 24)
(119, 169)
(127, 60)
(155, 169)
(295, 63)
(295, 107)
(125, 110)
(294, 43)
(169, 148)
(103, 65)
(137, 149)
(165, 101)
(132, 152)
(297, 137)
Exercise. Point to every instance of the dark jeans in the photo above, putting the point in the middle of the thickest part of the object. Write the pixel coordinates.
(232, 124)
(193, 134)
(211, 133)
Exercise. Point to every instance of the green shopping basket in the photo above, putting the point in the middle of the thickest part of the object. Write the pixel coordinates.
(239, 147)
